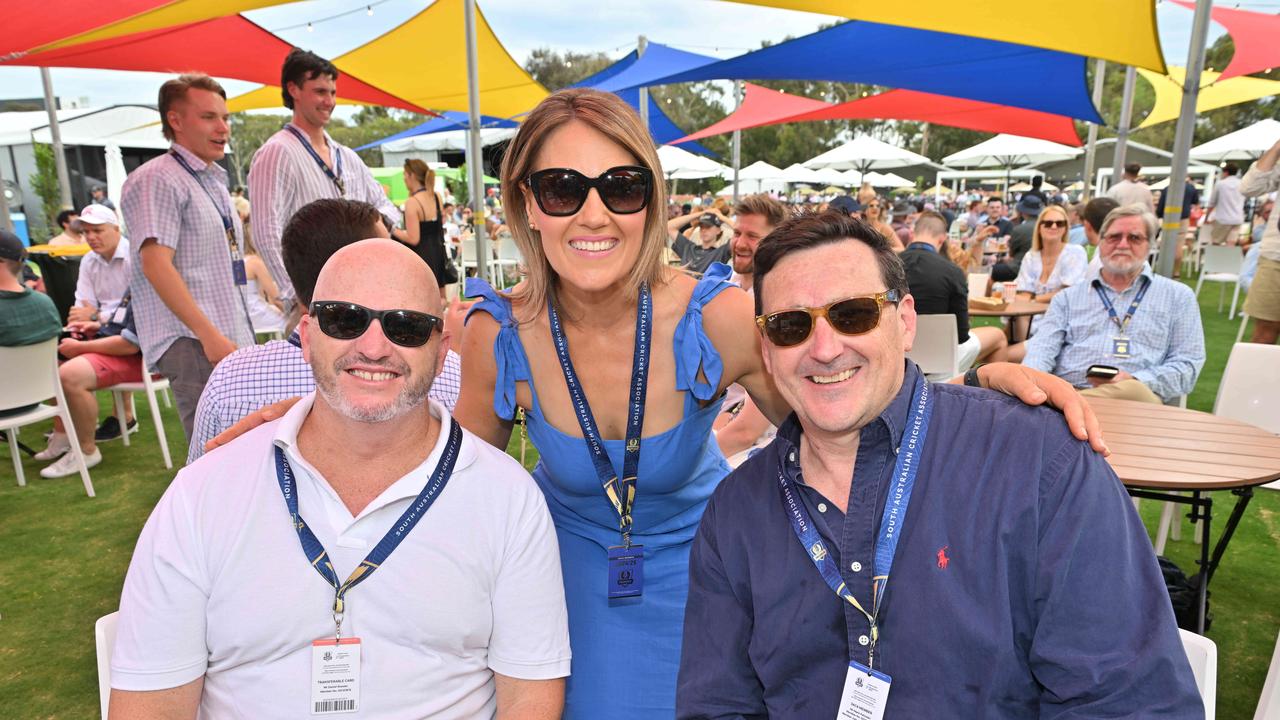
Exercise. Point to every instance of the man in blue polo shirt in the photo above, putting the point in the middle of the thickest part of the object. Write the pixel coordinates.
(1012, 577)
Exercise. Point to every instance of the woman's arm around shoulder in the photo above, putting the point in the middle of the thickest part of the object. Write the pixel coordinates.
(729, 322)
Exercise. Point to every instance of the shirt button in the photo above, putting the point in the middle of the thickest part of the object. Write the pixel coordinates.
(822, 507)
(863, 640)
(856, 566)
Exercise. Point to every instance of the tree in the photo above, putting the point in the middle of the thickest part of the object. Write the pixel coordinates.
(45, 185)
(370, 124)
(248, 133)
(555, 70)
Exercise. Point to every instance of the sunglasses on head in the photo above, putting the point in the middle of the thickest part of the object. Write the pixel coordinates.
(348, 321)
(1053, 223)
(852, 316)
(562, 191)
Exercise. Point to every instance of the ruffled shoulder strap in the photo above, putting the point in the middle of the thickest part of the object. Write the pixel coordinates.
(508, 353)
(694, 350)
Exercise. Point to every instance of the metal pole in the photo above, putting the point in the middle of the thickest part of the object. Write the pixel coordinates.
(475, 150)
(641, 45)
(1099, 72)
(55, 134)
(1126, 116)
(737, 139)
(1182, 140)
(6, 222)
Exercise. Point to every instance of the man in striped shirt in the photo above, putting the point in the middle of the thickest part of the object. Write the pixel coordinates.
(301, 163)
(186, 256)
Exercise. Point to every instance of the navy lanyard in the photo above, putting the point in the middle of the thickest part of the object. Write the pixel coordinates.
(336, 179)
(924, 246)
(227, 224)
(1111, 308)
(892, 521)
(319, 557)
(623, 495)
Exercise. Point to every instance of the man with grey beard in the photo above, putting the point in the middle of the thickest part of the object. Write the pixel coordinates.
(1127, 333)
(248, 568)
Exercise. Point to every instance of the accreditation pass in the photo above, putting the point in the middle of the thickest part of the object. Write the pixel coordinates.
(865, 694)
(335, 676)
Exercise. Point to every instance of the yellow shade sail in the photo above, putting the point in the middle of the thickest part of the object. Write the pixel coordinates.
(1212, 94)
(1128, 35)
(424, 61)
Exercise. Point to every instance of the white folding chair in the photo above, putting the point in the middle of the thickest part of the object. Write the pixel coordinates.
(936, 348)
(1195, 255)
(1269, 703)
(104, 638)
(1202, 653)
(1222, 265)
(152, 386)
(468, 252)
(31, 377)
(508, 257)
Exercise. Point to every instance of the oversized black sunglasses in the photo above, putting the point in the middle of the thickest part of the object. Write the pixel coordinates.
(850, 316)
(1053, 223)
(560, 192)
(348, 321)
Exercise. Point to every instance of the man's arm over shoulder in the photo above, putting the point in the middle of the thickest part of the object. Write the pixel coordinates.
(1105, 643)
(716, 681)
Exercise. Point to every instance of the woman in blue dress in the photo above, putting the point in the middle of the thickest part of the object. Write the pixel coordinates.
(597, 324)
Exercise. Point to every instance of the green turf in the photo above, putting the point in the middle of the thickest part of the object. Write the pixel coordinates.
(63, 558)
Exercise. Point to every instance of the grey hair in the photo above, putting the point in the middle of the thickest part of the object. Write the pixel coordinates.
(1124, 211)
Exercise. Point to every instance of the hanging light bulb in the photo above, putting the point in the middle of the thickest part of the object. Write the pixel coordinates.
(369, 10)
(310, 27)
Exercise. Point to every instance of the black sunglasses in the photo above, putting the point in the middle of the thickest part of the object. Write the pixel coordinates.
(1053, 223)
(851, 316)
(560, 192)
(348, 321)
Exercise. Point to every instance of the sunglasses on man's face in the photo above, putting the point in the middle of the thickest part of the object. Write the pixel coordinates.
(1053, 223)
(857, 315)
(348, 321)
(560, 192)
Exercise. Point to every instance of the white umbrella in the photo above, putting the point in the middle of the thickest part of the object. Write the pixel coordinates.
(115, 176)
(888, 180)
(1245, 144)
(678, 164)
(852, 178)
(1008, 151)
(865, 153)
(759, 176)
(799, 174)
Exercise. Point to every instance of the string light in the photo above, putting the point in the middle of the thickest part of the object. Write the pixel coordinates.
(369, 10)
(310, 27)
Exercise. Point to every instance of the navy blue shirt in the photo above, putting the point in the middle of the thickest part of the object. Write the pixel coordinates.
(1024, 584)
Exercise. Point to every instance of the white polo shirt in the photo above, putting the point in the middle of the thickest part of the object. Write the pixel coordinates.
(219, 586)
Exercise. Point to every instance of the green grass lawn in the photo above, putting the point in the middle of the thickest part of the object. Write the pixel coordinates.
(63, 558)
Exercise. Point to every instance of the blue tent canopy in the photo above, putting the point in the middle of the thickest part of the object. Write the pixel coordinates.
(899, 57)
(450, 120)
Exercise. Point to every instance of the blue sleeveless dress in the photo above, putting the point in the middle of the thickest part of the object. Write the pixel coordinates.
(626, 653)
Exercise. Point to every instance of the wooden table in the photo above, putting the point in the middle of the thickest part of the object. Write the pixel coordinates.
(1160, 451)
(1017, 308)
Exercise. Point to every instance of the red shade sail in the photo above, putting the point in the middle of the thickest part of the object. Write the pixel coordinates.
(760, 106)
(1254, 35)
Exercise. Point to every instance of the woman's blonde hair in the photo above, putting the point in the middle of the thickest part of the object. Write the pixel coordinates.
(422, 172)
(1035, 234)
(609, 115)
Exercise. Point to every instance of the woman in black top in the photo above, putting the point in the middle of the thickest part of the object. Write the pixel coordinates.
(422, 221)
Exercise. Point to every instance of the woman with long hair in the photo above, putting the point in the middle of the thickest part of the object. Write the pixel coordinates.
(874, 214)
(1051, 265)
(424, 227)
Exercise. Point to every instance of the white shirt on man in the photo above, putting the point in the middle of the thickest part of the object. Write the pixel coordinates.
(103, 283)
(219, 586)
(1129, 192)
(1227, 202)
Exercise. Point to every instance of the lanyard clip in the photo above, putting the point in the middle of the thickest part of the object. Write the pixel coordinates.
(339, 608)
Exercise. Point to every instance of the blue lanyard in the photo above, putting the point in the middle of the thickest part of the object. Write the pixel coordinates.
(892, 520)
(1133, 308)
(622, 496)
(336, 179)
(226, 217)
(319, 557)
(924, 246)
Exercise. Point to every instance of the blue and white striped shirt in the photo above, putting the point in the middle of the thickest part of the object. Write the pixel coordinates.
(254, 377)
(1166, 350)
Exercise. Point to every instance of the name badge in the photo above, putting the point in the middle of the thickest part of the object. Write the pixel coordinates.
(238, 273)
(335, 676)
(865, 693)
(1120, 347)
(626, 571)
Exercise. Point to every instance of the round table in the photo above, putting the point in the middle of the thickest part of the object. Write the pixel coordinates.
(1160, 451)
(1018, 308)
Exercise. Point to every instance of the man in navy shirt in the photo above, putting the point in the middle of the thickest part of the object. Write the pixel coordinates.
(1014, 578)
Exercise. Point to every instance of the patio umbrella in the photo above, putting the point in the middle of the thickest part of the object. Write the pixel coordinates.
(865, 153)
(759, 172)
(1244, 144)
(798, 174)
(888, 180)
(678, 164)
(115, 174)
(1010, 151)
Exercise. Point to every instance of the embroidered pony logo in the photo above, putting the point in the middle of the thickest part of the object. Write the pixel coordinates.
(943, 560)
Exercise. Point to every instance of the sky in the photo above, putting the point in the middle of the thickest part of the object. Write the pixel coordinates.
(709, 27)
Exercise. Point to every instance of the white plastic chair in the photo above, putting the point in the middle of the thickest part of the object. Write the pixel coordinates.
(468, 250)
(1202, 653)
(1222, 265)
(508, 256)
(1194, 257)
(152, 386)
(1269, 703)
(104, 637)
(936, 348)
(31, 377)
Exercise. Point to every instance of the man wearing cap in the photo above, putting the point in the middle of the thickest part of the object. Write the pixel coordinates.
(697, 255)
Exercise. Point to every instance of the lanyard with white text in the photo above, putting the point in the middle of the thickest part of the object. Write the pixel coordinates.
(892, 520)
(319, 557)
(335, 178)
(1111, 308)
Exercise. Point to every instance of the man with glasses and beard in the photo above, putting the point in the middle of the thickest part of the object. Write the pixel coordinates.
(251, 565)
(1024, 585)
(1125, 333)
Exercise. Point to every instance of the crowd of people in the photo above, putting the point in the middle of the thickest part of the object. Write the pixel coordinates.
(730, 433)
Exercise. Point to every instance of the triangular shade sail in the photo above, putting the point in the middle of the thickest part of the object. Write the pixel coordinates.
(1127, 36)
(1010, 151)
(1254, 35)
(231, 47)
(661, 127)
(865, 153)
(35, 25)
(631, 71)
(1244, 144)
(439, 80)
(447, 121)
(1214, 93)
(941, 63)
(760, 106)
